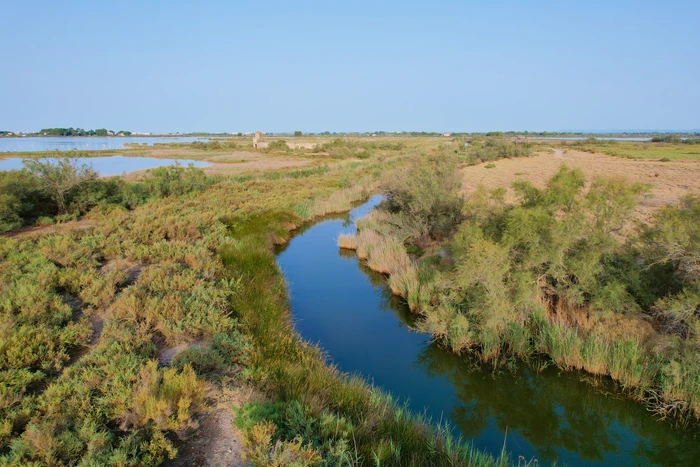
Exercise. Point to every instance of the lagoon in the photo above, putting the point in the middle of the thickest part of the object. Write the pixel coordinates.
(84, 143)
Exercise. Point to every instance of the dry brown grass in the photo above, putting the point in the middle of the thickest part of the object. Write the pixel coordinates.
(347, 242)
(669, 181)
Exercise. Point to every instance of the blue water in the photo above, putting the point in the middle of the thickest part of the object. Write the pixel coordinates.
(112, 165)
(87, 143)
(551, 416)
(578, 138)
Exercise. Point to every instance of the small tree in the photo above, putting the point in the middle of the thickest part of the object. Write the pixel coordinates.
(297, 133)
(58, 179)
(428, 191)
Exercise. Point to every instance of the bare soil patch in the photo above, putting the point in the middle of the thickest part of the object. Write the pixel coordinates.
(230, 163)
(217, 441)
(669, 181)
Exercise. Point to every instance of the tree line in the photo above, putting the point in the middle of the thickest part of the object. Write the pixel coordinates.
(80, 132)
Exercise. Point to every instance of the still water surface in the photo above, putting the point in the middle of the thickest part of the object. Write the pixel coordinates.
(91, 143)
(551, 416)
(112, 165)
(580, 138)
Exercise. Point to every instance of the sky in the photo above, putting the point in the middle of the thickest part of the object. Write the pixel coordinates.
(223, 66)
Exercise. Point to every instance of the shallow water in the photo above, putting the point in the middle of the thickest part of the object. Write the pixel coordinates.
(581, 138)
(112, 165)
(551, 416)
(84, 143)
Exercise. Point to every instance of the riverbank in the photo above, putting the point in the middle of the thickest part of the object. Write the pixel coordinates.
(149, 314)
(527, 410)
(538, 278)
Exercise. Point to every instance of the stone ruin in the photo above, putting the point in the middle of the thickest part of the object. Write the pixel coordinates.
(258, 142)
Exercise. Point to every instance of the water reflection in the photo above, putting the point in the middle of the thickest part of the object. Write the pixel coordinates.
(550, 416)
(91, 143)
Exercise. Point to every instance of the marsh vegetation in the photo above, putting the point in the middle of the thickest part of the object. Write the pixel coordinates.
(178, 259)
(559, 273)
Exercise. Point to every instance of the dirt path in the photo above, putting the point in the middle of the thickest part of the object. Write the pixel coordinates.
(669, 181)
(215, 443)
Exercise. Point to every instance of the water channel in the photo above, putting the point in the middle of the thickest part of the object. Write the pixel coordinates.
(552, 416)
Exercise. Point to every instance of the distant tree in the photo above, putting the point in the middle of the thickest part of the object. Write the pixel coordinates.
(57, 180)
(297, 133)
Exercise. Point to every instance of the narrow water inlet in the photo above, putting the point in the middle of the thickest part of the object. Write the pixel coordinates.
(551, 416)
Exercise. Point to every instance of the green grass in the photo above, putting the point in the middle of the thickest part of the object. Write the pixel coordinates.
(71, 393)
(641, 150)
(550, 275)
(340, 418)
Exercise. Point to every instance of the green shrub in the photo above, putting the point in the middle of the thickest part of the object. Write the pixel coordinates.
(428, 191)
(175, 180)
(60, 179)
(21, 199)
(278, 145)
(226, 353)
(491, 149)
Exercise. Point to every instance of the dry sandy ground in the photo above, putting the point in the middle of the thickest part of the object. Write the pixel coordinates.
(234, 163)
(217, 441)
(669, 181)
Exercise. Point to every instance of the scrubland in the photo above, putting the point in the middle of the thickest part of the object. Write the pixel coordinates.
(130, 307)
(564, 269)
(123, 329)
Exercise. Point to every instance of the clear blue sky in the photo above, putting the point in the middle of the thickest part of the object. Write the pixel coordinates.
(350, 66)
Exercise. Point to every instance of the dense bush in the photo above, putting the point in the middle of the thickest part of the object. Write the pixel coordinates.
(428, 192)
(225, 354)
(340, 148)
(490, 149)
(671, 138)
(45, 189)
(214, 145)
(560, 272)
(21, 199)
(60, 179)
(550, 248)
(174, 180)
(278, 145)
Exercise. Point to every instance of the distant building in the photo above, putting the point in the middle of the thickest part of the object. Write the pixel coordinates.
(447, 134)
(258, 142)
